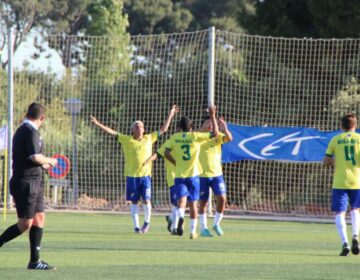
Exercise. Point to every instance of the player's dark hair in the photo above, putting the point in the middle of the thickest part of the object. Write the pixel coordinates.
(349, 121)
(185, 124)
(35, 111)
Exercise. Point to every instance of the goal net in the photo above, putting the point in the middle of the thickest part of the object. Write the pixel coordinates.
(259, 81)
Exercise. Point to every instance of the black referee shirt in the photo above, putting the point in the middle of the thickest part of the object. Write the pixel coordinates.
(26, 142)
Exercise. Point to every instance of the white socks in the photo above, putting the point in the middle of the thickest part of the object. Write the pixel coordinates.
(341, 227)
(134, 210)
(173, 216)
(217, 219)
(147, 212)
(180, 213)
(193, 224)
(203, 221)
(355, 217)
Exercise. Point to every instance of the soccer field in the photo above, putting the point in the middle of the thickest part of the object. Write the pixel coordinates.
(103, 246)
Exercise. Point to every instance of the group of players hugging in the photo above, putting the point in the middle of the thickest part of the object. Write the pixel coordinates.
(192, 159)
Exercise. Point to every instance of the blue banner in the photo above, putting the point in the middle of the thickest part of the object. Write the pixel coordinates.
(276, 143)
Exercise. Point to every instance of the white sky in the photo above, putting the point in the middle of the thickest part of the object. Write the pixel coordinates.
(49, 61)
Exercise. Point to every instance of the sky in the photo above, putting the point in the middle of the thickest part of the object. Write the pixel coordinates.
(49, 61)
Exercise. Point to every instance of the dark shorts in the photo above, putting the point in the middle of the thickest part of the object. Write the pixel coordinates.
(28, 195)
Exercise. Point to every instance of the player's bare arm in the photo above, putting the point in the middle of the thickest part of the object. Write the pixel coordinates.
(212, 114)
(224, 129)
(174, 110)
(152, 158)
(169, 157)
(328, 161)
(103, 127)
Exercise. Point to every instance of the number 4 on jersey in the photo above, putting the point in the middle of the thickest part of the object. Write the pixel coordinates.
(350, 154)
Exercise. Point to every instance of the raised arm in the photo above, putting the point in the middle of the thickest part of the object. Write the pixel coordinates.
(328, 161)
(224, 129)
(212, 114)
(174, 110)
(169, 157)
(103, 127)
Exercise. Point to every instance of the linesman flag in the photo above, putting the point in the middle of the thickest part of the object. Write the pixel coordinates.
(3, 137)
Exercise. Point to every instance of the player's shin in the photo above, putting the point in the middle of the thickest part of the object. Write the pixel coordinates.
(147, 212)
(173, 217)
(355, 221)
(134, 210)
(341, 227)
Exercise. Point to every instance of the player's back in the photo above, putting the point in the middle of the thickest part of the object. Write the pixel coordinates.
(345, 147)
(185, 148)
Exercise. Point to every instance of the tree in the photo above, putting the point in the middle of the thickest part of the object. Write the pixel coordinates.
(157, 16)
(108, 61)
(288, 18)
(61, 16)
(221, 14)
(336, 18)
(301, 18)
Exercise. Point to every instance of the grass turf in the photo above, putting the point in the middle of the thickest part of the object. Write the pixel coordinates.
(103, 246)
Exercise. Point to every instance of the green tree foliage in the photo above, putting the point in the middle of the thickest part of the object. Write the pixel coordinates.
(288, 18)
(157, 16)
(110, 60)
(301, 18)
(61, 16)
(336, 18)
(221, 14)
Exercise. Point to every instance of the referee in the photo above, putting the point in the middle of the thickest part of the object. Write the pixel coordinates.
(26, 184)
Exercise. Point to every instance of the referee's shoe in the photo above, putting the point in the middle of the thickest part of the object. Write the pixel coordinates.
(40, 265)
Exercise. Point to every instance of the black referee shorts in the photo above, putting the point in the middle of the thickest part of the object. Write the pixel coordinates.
(28, 195)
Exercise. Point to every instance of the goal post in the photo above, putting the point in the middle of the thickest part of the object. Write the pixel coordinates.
(254, 81)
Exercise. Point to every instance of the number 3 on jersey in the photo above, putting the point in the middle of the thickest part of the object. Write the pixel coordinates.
(186, 149)
(350, 154)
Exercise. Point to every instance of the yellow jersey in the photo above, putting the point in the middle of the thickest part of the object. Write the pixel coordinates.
(210, 157)
(169, 167)
(136, 152)
(185, 147)
(345, 147)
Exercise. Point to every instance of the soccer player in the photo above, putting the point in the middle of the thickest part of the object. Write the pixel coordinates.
(343, 151)
(185, 147)
(170, 177)
(137, 149)
(212, 177)
(27, 184)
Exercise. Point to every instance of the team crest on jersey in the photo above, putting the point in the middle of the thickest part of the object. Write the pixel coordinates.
(348, 135)
(183, 135)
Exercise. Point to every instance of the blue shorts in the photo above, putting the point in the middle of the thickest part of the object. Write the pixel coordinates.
(138, 186)
(340, 199)
(217, 184)
(189, 187)
(173, 196)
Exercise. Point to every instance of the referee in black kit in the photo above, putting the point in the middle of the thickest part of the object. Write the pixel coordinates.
(27, 185)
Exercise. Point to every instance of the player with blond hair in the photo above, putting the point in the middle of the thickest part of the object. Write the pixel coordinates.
(137, 149)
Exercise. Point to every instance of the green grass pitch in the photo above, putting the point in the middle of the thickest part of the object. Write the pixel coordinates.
(103, 246)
